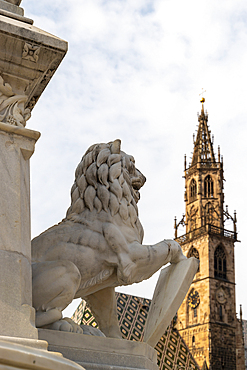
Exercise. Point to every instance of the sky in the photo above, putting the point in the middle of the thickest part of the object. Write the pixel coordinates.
(134, 71)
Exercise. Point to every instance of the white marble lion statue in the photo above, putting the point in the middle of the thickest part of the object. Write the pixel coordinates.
(98, 246)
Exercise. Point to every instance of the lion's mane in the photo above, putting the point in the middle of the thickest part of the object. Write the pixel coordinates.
(103, 184)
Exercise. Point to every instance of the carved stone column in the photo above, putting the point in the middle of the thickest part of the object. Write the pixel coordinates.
(17, 317)
(28, 59)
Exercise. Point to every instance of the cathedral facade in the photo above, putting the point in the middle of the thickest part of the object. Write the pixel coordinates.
(207, 317)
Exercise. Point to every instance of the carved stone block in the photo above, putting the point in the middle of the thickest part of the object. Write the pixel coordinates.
(31, 52)
(28, 59)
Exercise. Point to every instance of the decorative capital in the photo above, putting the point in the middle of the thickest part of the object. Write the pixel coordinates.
(12, 106)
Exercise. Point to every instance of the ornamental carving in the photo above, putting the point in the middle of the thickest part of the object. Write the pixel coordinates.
(221, 295)
(210, 213)
(47, 76)
(32, 102)
(192, 217)
(12, 106)
(31, 52)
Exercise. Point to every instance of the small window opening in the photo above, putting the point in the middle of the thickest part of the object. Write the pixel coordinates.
(193, 190)
(208, 187)
(220, 263)
(194, 253)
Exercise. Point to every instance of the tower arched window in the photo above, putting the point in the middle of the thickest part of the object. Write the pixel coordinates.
(208, 187)
(220, 263)
(193, 190)
(193, 252)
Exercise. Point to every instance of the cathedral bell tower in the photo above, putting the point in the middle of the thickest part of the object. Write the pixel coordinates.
(207, 316)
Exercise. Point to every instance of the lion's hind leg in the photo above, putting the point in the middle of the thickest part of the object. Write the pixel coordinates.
(104, 307)
(55, 284)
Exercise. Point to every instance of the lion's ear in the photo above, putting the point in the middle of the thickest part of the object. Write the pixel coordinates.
(115, 147)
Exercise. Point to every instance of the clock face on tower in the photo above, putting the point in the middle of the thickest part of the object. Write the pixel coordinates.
(193, 299)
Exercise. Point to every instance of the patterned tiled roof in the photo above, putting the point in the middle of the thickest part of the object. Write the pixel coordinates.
(172, 352)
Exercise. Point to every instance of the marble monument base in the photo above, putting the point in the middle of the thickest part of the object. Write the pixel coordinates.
(19, 356)
(101, 353)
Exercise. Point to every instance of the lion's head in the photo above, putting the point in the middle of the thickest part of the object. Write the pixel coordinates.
(106, 180)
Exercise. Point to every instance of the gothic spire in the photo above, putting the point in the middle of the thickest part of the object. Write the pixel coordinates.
(203, 147)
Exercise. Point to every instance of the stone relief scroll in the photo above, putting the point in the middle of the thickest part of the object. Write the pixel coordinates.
(12, 106)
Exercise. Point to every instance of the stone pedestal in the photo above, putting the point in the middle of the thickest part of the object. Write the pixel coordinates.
(22, 357)
(101, 353)
(17, 317)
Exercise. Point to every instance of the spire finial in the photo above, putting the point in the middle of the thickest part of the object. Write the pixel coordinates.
(202, 99)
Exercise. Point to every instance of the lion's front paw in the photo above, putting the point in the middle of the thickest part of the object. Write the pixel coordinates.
(66, 324)
(176, 253)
